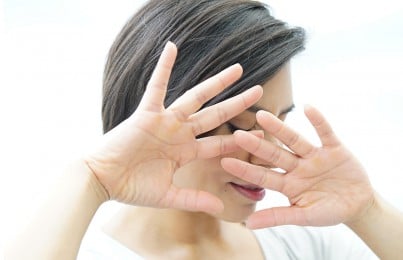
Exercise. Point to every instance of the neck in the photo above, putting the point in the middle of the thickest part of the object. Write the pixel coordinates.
(186, 227)
(174, 227)
(176, 234)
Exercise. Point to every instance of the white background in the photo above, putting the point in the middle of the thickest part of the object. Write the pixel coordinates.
(52, 58)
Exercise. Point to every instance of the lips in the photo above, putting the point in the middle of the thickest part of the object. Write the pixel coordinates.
(251, 192)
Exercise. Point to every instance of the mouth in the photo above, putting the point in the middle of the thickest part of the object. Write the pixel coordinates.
(249, 191)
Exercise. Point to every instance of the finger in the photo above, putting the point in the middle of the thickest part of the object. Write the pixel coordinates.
(258, 133)
(213, 146)
(277, 216)
(258, 175)
(194, 98)
(213, 116)
(322, 127)
(276, 128)
(192, 200)
(154, 95)
(267, 151)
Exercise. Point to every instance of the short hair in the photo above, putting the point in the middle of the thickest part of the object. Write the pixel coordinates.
(210, 35)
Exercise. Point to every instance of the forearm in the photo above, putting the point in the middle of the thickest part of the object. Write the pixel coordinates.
(382, 230)
(58, 228)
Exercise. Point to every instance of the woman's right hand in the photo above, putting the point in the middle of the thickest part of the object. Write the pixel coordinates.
(136, 161)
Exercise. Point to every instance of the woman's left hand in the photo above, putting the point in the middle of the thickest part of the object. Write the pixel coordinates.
(325, 185)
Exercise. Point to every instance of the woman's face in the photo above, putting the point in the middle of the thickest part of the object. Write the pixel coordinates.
(238, 196)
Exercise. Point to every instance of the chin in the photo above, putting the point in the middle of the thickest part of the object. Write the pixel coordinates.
(236, 215)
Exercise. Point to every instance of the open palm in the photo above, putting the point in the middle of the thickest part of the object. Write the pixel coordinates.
(136, 160)
(325, 185)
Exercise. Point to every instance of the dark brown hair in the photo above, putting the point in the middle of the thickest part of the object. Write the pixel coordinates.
(210, 35)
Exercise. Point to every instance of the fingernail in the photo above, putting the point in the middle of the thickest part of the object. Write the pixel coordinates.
(169, 43)
(251, 91)
(258, 133)
(246, 222)
(307, 106)
(237, 65)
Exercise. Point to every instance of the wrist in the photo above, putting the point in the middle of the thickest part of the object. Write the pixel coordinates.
(381, 229)
(371, 215)
(93, 185)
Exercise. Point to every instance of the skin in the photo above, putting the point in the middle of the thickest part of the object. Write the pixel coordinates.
(135, 163)
(127, 175)
(319, 181)
(120, 168)
(208, 174)
(207, 234)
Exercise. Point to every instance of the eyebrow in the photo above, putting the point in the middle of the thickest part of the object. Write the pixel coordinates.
(256, 108)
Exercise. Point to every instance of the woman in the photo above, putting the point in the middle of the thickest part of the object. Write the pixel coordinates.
(168, 147)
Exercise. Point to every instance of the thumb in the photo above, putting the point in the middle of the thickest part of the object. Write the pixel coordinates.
(193, 200)
(277, 216)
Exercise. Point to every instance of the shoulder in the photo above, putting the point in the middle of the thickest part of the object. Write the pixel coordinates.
(295, 242)
(98, 245)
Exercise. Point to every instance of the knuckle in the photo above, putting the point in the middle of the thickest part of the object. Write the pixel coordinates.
(258, 147)
(244, 102)
(275, 157)
(179, 114)
(281, 128)
(221, 115)
(294, 165)
(200, 97)
(222, 146)
(244, 170)
(220, 81)
(197, 128)
(263, 178)
(293, 139)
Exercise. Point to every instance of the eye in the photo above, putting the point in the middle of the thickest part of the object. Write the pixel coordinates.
(282, 117)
